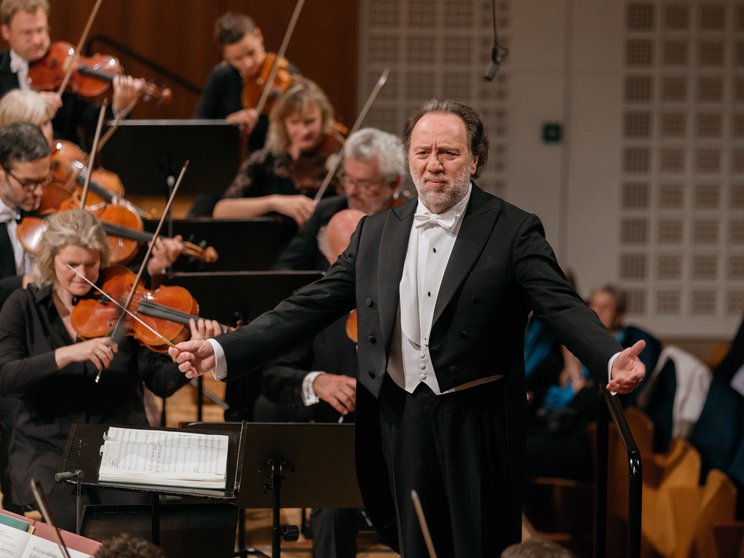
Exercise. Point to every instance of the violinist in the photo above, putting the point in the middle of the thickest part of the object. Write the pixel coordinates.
(243, 59)
(301, 125)
(25, 159)
(52, 373)
(25, 26)
(373, 167)
(24, 170)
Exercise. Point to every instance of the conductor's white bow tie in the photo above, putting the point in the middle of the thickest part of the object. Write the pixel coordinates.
(445, 220)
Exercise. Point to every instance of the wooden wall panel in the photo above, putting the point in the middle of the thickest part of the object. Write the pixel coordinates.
(178, 35)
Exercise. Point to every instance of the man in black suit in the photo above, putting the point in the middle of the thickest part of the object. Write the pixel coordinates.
(443, 288)
(24, 169)
(24, 24)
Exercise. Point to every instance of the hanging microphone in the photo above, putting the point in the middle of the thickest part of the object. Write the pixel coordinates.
(498, 53)
(495, 64)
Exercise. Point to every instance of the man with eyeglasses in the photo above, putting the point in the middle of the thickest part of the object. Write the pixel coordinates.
(373, 167)
(24, 170)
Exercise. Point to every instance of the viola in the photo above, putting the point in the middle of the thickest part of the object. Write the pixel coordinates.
(166, 310)
(253, 87)
(91, 76)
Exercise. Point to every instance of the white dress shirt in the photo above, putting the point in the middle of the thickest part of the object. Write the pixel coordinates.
(19, 67)
(430, 245)
(8, 218)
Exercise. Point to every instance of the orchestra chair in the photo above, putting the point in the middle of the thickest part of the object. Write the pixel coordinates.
(697, 509)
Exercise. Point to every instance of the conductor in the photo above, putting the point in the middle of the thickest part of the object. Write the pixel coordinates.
(443, 287)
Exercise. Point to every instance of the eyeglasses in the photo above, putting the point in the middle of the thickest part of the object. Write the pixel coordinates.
(29, 184)
(360, 183)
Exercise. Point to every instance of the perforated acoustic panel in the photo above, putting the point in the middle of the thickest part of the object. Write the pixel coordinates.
(682, 224)
(436, 49)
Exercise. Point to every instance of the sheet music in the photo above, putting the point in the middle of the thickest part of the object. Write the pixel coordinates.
(162, 457)
(15, 543)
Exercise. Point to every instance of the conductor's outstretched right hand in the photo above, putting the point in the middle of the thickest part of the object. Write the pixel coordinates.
(194, 358)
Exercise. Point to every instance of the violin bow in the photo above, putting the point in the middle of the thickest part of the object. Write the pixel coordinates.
(121, 115)
(99, 126)
(357, 124)
(154, 239)
(83, 38)
(207, 393)
(46, 513)
(279, 55)
(422, 523)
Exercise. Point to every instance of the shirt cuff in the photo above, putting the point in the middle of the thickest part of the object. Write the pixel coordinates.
(609, 369)
(220, 366)
(309, 397)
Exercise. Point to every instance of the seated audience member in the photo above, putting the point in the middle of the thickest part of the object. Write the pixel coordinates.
(718, 433)
(558, 442)
(316, 382)
(53, 374)
(127, 546)
(373, 166)
(536, 548)
(543, 356)
(243, 57)
(301, 123)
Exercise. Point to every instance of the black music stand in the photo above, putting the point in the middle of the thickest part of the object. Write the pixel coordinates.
(241, 244)
(148, 155)
(288, 465)
(240, 295)
(82, 453)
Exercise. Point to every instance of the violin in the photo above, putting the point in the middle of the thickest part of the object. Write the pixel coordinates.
(123, 227)
(91, 76)
(166, 310)
(253, 87)
(308, 170)
(68, 168)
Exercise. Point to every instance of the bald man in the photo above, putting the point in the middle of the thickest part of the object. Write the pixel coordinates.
(317, 382)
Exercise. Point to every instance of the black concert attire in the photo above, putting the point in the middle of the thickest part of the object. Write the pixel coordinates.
(75, 120)
(52, 400)
(302, 252)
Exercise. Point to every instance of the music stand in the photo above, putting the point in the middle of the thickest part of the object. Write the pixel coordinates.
(241, 244)
(148, 155)
(288, 465)
(82, 453)
(227, 296)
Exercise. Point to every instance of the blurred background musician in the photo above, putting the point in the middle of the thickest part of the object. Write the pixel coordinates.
(24, 105)
(24, 169)
(373, 167)
(25, 27)
(301, 135)
(244, 62)
(52, 372)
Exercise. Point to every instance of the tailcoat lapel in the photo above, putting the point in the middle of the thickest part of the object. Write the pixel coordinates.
(392, 255)
(475, 230)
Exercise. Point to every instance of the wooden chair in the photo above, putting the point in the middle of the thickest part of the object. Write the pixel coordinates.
(729, 539)
(696, 509)
(663, 476)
